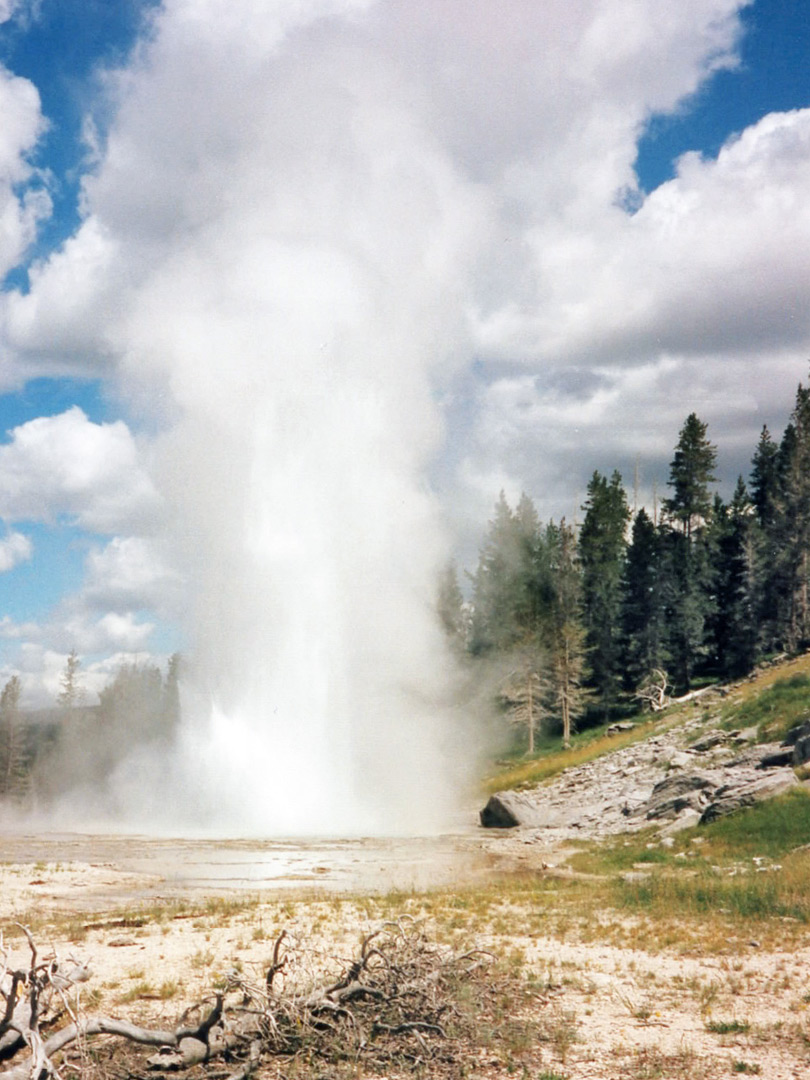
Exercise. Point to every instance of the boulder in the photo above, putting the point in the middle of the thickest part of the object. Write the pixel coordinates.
(506, 809)
(784, 755)
(757, 756)
(801, 751)
(733, 797)
(800, 731)
(676, 793)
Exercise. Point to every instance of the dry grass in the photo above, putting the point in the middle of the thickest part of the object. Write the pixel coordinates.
(552, 764)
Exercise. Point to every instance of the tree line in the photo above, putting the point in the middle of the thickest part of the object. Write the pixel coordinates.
(77, 743)
(571, 622)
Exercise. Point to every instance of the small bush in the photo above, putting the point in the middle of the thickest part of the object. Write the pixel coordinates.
(728, 1027)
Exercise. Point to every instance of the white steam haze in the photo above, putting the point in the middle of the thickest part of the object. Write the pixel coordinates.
(338, 255)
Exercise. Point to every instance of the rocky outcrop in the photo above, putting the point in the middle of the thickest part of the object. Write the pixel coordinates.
(676, 793)
(665, 779)
(746, 792)
(800, 731)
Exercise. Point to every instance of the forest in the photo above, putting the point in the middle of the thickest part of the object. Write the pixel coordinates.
(576, 624)
(51, 751)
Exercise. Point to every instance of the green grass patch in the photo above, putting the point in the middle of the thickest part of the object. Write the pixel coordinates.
(771, 829)
(552, 760)
(728, 1027)
(774, 710)
(732, 871)
(708, 892)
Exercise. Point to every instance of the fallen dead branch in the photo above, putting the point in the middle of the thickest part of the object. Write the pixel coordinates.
(397, 1001)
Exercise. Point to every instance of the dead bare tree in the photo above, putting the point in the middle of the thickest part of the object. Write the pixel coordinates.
(393, 1000)
(653, 691)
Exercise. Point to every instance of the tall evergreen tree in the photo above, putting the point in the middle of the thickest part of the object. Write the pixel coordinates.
(509, 593)
(790, 531)
(602, 546)
(690, 473)
(510, 601)
(686, 563)
(450, 608)
(171, 691)
(525, 687)
(497, 585)
(71, 692)
(732, 624)
(643, 602)
(765, 479)
(12, 741)
(568, 648)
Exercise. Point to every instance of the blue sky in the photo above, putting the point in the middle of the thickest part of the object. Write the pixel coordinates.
(556, 332)
(60, 50)
(771, 77)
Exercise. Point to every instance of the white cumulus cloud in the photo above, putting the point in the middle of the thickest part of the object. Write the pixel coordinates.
(15, 548)
(67, 464)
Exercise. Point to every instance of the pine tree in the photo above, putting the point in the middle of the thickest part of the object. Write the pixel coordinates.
(690, 473)
(602, 546)
(782, 541)
(508, 586)
(732, 625)
(525, 688)
(569, 670)
(643, 601)
(71, 693)
(12, 741)
(686, 563)
(791, 529)
(688, 603)
(765, 479)
(496, 585)
(450, 608)
(171, 692)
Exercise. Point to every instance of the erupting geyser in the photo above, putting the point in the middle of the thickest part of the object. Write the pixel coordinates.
(286, 264)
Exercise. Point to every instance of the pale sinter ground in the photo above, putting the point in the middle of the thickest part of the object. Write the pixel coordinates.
(607, 1009)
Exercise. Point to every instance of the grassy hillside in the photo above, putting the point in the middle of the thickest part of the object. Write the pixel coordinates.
(773, 700)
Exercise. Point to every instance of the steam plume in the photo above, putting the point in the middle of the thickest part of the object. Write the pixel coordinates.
(292, 294)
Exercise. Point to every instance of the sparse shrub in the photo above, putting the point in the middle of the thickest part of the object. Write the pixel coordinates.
(728, 1027)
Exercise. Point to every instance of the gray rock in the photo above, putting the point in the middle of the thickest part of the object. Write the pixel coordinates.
(709, 741)
(676, 793)
(732, 797)
(681, 760)
(800, 731)
(783, 756)
(506, 809)
(753, 756)
(678, 804)
(801, 751)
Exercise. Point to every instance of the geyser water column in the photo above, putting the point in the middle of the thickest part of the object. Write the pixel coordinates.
(295, 295)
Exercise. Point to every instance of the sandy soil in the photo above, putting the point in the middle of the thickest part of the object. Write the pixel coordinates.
(619, 1012)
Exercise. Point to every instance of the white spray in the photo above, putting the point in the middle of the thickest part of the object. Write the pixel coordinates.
(292, 244)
